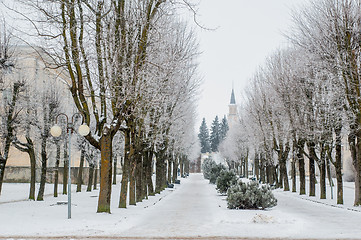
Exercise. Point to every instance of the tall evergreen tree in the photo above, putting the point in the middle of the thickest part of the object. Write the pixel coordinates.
(224, 128)
(204, 137)
(215, 135)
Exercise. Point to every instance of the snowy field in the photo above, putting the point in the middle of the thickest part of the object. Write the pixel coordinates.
(192, 210)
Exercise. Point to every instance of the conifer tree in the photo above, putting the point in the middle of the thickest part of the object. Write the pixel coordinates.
(215, 135)
(204, 137)
(224, 128)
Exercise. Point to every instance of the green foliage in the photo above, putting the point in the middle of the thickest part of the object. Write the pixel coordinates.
(212, 170)
(215, 137)
(207, 165)
(223, 128)
(250, 196)
(204, 137)
(215, 172)
(225, 180)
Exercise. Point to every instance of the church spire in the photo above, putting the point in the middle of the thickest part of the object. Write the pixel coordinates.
(233, 99)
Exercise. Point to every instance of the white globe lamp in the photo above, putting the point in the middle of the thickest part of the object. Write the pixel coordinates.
(55, 131)
(84, 130)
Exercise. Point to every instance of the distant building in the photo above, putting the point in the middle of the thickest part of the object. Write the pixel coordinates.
(232, 111)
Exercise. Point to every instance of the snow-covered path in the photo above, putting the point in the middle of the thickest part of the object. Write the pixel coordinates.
(193, 210)
(186, 212)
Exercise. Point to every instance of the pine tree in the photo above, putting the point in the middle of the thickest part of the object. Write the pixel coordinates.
(204, 137)
(215, 135)
(224, 128)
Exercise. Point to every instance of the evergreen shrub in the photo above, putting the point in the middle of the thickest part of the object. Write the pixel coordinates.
(250, 196)
(212, 170)
(225, 180)
(215, 172)
(207, 166)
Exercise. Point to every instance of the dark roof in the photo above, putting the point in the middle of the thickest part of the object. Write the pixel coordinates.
(233, 99)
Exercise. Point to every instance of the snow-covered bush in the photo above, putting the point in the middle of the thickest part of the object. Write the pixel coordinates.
(207, 166)
(250, 196)
(225, 180)
(211, 170)
(215, 172)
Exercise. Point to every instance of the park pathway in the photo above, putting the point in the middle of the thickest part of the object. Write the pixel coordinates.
(187, 211)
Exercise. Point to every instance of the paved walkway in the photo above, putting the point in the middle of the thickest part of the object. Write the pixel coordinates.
(186, 212)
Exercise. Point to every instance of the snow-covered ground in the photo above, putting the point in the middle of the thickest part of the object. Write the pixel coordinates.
(192, 210)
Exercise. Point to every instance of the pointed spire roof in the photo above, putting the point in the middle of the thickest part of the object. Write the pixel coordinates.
(233, 99)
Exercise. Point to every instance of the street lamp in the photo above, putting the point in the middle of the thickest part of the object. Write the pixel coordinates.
(56, 132)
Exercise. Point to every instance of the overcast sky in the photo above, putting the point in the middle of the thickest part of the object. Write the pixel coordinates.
(247, 32)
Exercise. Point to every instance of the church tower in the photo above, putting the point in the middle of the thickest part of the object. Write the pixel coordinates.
(232, 111)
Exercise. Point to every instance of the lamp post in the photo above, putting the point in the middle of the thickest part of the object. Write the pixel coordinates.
(56, 132)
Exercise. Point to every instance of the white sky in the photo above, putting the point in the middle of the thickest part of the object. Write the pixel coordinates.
(247, 32)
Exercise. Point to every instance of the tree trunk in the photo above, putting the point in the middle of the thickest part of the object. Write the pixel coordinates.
(43, 170)
(338, 165)
(268, 174)
(181, 166)
(261, 170)
(246, 165)
(322, 167)
(80, 171)
(115, 170)
(286, 185)
(275, 176)
(125, 170)
(358, 170)
(149, 173)
(132, 172)
(175, 170)
(301, 166)
(31, 152)
(65, 169)
(95, 182)
(312, 153)
(2, 171)
(186, 169)
(106, 172)
(144, 177)
(256, 166)
(160, 172)
(169, 171)
(293, 170)
(280, 181)
(90, 179)
(56, 171)
(139, 178)
(132, 199)
(328, 168)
